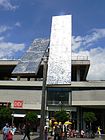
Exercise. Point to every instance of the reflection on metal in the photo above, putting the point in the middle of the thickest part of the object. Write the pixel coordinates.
(59, 65)
(31, 60)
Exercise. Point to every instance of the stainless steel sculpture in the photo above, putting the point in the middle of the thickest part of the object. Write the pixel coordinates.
(31, 60)
(59, 64)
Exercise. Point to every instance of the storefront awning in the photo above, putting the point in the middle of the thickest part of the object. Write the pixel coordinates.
(23, 115)
(18, 115)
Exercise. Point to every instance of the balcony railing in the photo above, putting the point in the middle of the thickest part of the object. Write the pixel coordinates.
(78, 57)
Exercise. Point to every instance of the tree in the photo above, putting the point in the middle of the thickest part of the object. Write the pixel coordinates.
(61, 116)
(5, 115)
(31, 117)
(89, 117)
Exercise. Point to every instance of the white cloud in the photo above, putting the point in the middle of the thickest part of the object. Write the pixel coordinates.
(8, 50)
(84, 42)
(97, 61)
(4, 28)
(87, 45)
(76, 42)
(1, 38)
(6, 4)
(95, 35)
(18, 24)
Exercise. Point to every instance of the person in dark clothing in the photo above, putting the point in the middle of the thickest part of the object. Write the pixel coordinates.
(57, 133)
(27, 131)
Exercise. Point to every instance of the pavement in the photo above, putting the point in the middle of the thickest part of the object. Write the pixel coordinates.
(36, 137)
(19, 137)
(75, 138)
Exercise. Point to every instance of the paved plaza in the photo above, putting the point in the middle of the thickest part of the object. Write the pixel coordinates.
(19, 137)
(35, 137)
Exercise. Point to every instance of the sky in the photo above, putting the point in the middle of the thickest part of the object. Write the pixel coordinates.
(22, 21)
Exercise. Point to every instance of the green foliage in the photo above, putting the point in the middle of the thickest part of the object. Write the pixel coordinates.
(5, 115)
(61, 116)
(89, 117)
(31, 117)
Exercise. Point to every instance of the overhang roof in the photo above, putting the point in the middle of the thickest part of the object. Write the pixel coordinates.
(7, 66)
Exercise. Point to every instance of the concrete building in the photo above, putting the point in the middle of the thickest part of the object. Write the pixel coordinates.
(21, 80)
(24, 93)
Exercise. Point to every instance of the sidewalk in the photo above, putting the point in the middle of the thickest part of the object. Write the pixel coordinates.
(74, 139)
(19, 137)
(96, 138)
(36, 137)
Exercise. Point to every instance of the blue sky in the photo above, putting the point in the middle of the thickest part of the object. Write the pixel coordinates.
(22, 21)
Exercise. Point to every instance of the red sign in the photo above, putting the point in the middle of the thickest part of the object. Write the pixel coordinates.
(18, 103)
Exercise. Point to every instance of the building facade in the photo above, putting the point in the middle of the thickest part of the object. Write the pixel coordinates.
(24, 93)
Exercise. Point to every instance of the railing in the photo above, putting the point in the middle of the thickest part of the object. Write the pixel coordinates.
(78, 57)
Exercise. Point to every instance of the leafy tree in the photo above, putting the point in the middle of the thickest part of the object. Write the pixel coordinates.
(89, 117)
(5, 115)
(61, 116)
(31, 117)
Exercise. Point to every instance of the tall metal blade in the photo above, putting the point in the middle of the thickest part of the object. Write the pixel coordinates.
(31, 60)
(59, 64)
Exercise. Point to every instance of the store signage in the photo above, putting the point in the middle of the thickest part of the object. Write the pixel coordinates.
(18, 103)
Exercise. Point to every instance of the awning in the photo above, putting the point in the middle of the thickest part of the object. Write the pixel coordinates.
(18, 115)
(22, 115)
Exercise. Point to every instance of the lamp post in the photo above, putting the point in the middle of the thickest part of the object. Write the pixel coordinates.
(12, 118)
(43, 102)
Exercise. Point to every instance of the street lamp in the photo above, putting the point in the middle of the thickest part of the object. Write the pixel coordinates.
(43, 102)
(12, 118)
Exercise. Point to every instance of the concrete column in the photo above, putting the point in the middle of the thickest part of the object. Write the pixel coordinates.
(18, 78)
(70, 98)
(81, 118)
(78, 74)
(78, 119)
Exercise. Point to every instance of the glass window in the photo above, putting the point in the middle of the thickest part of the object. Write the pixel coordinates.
(58, 95)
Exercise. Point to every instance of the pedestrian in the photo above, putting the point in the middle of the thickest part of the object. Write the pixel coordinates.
(82, 133)
(5, 131)
(27, 131)
(99, 130)
(57, 132)
(13, 129)
(46, 132)
(10, 135)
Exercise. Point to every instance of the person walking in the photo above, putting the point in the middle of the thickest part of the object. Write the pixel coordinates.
(5, 131)
(99, 131)
(46, 132)
(57, 132)
(13, 130)
(10, 135)
(27, 131)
